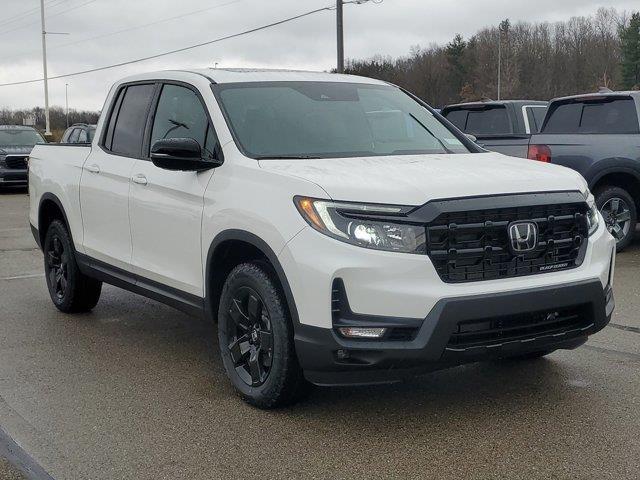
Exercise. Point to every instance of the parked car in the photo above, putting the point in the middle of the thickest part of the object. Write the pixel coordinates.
(335, 228)
(599, 136)
(16, 142)
(501, 126)
(78, 133)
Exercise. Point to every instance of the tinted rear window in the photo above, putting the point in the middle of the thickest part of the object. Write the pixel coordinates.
(611, 116)
(130, 123)
(491, 121)
(483, 121)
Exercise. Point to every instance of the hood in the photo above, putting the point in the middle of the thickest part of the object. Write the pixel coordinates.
(416, 179)
(15, 149)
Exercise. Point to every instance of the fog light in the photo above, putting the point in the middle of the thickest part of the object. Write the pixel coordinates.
(361, 332)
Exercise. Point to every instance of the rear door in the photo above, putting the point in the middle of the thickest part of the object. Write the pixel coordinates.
(106, 177)
(166, 206)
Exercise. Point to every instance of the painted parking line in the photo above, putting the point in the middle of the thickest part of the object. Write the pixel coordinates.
(20, 277)
(20, 459)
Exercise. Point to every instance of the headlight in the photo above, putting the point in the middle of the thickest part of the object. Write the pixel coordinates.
(356, 223)
(593, 218)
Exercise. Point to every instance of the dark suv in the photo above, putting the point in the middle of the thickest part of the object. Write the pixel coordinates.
(79, 133)
(16, 142)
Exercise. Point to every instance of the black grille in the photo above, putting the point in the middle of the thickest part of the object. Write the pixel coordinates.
(474, 245)
(521, 328)
(18, 163)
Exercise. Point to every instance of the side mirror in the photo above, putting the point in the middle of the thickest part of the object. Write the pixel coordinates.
(471, 137)
(182, 154)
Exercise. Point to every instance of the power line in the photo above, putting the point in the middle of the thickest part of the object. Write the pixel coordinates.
(21, 16)
(178, 50)
(144, 25)
(49, 16)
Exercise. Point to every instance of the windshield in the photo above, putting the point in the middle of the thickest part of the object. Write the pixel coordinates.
(13, 137)
(330, 120)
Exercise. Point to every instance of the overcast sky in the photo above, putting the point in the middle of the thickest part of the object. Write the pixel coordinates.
(389, 28)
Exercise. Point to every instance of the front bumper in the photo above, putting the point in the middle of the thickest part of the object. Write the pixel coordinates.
(329, 359)
(9, 176)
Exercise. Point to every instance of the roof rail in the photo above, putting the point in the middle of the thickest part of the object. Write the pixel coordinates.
(605, 90)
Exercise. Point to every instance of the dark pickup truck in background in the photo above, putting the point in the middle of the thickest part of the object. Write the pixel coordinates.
(501, 126)
(16, 142)
(599, 136)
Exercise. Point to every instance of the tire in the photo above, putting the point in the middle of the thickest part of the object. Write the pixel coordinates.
(255, 336)
(619, 212)
(70, 290)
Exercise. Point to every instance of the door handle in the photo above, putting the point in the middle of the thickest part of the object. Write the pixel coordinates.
(140, 179)
(93, 168)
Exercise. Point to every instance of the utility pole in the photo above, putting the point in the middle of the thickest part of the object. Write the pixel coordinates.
(499, 58)
(340, 30)
(47, 131)
(66, 102)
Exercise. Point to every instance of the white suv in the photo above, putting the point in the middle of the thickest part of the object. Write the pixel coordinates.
(337, 228)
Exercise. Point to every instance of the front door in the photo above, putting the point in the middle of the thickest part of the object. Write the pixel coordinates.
(166, 206)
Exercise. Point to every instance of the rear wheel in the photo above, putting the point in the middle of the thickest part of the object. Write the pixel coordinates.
(70, 290)
(256, 338)
(619, 212)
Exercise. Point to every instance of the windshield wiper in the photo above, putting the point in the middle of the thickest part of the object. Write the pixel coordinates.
(446, 149)
(286, 157)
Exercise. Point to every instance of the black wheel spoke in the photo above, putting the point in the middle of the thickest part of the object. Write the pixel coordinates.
(238, 349)
(254, 307)
(266, 340)
(624, 216)
(239, 318)
(255, 368)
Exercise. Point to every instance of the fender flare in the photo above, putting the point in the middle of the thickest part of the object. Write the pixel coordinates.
(260, 244)
(48, 196)
(600, 173)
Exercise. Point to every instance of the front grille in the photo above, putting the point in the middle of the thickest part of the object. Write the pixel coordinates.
(520, 328)
(17, 163)
(474, 245)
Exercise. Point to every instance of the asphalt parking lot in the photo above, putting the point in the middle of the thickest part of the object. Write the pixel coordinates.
(135, 390)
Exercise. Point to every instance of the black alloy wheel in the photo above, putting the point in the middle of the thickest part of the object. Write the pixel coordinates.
(249, 336)
(57, 261)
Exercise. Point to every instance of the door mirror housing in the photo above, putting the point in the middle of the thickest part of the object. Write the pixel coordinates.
(181, 154)
(471, 137)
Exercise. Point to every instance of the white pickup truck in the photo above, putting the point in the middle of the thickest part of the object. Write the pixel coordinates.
(337, 229)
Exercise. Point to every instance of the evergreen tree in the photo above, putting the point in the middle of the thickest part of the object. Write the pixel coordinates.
(630, 50)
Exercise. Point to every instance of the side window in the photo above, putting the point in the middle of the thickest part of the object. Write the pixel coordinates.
(617, 116)
(565, 118)
(180, 114)
(128, 130)
(82, 137)
(73, 138)
(457, 117)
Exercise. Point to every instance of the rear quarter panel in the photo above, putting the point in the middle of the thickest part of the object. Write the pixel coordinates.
(593, 155)
(56, 170)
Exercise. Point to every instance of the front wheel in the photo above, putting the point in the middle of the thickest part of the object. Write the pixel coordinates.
(619, 212)
(255, 336)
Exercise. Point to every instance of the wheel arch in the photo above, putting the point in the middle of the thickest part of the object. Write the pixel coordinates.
(622, 177)
(230, 248)
(50, 208)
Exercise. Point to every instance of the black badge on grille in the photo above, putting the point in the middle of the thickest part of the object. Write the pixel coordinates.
(523, 236)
